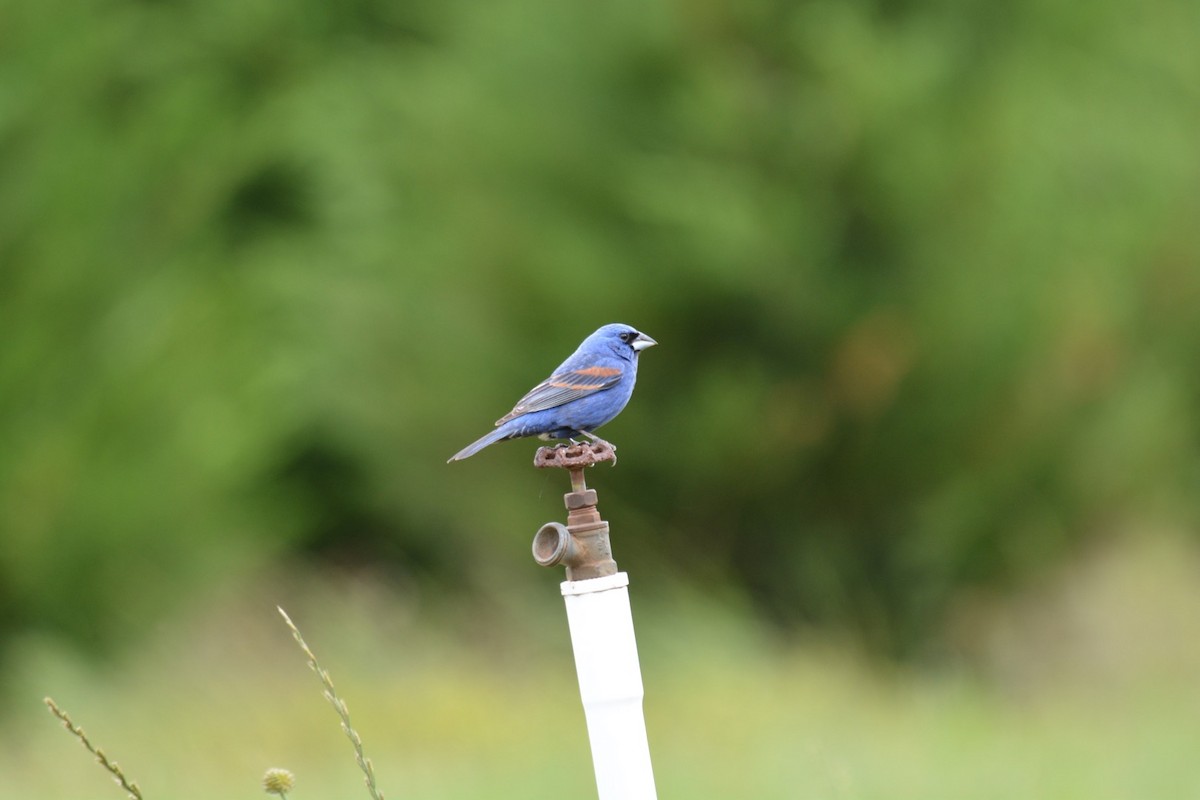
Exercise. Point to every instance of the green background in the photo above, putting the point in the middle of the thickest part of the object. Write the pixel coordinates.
(925, 278)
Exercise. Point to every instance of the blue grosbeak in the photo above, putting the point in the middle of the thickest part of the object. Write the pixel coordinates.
(587, 390)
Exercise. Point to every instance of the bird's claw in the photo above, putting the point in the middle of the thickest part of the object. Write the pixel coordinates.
(598, 442)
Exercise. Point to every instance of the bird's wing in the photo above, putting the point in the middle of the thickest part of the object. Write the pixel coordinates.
(563, 387)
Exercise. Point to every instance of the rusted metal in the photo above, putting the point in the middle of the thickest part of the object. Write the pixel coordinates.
(553, 544)
(571, 456)
(582, 545)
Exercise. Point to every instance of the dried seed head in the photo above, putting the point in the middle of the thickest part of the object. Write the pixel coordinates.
(278, 781)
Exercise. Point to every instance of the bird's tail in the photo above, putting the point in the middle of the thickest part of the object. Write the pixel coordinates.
(479, 444)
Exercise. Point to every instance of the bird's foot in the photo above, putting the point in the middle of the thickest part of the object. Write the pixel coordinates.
(597, 441)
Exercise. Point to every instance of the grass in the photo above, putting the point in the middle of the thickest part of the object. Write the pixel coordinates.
(339, 705)
(112, 767)
(1107, 711)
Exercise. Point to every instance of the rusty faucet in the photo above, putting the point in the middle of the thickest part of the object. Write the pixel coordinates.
(601, 625)
(582, 545)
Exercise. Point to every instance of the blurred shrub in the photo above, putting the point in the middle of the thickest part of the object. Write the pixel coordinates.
(924, 276)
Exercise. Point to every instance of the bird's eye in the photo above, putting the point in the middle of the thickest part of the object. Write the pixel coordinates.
(627, 336)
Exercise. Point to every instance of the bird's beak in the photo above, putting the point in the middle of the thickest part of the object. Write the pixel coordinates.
(642, 342)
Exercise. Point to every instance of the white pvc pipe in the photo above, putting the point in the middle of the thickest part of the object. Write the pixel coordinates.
(610, 683)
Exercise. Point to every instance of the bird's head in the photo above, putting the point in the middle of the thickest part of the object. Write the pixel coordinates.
(625, 340)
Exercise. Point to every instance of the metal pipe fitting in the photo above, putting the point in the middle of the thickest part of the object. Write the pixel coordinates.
(584, 550)
(582, 545)
(553, 544)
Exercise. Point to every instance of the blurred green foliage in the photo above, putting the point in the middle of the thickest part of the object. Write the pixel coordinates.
(1091, 701)
(924, 275)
